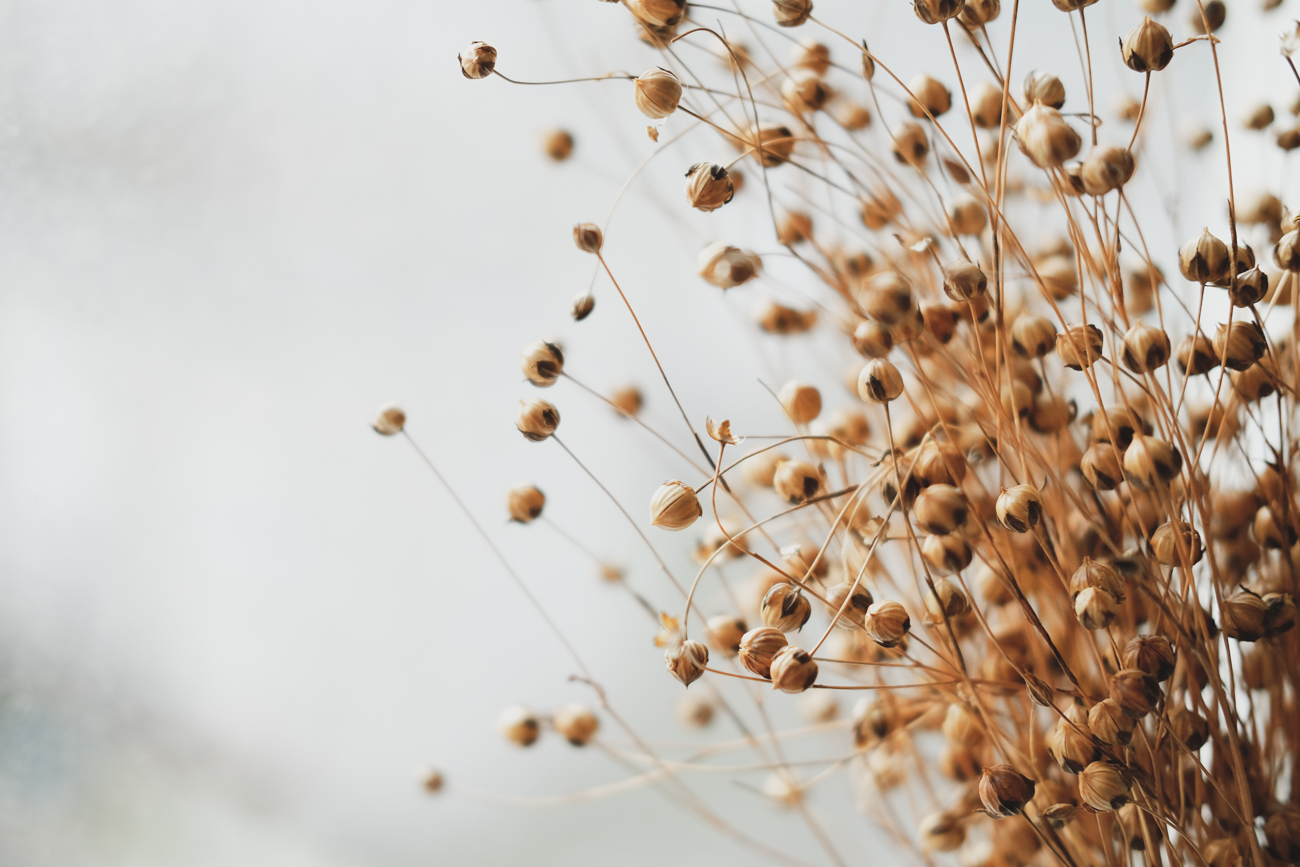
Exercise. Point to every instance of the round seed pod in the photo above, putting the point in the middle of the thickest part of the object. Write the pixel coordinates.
(1281, 613)
(1045, 88)
(537, 420)
(1166, 544)
(1244, 261)
(657, 93)
(1148, 47)
(946, 601)
(797, 481)
(1245, 616)
(853, 117)
(478, 60)
(694, 711)
(1190, 728)
(1051, 413)
(785, 608)
(525, 503)
(1262, 208)
(879, 209)
(775, 145)
(761, 469)
(879, 382)
(1104, 786)
(1070, 743)
(1136, 827)
(1199, 136)
(910, 144)
(758, 647)
(1204, 259)
(887, 298)
(778, 319)
(793, 670)
(1155, 7)
(940, 321)
(940, 509)
(1079, 346)
(519, 725)
(887, 623)
(939, 463)
(1256, 382)
(433, 781)
(1017, 399)
(1150, 462)
(947, 554)
(1258, 117)
(1100, 465)
(930, 98)
(583, 304)
(813, 56)
(1282, 831)
(1032, 336)
(1019, 509)
(805, 94)
(1117, 426)
(977, 12)
(576, 724)
(588, 237)
(558, 144)
(1239, 344)
(794, 228)
(1286, 252)
(961, 727)
(1152, 654)
(1058, 276)
(1109, 724)
(963, 281)
(939, 832)
(854, 613)
(1212, 15)
(1046, 138)
(1095, 608)
(1271, 532)
(674, 506)
(802, 403)
(1196, 355)
(727, 267)
(1094, 573)
(1106, 168)
(627, 401)
(986, 105)
(819, 707)
(687, 661)
(1135, 692)
(542, 363)
(725, 633)
(708, 186)
(389, 421)
(791, 13)
(967, 216)
(934, 11)
(1250, 287)
(1004, 791)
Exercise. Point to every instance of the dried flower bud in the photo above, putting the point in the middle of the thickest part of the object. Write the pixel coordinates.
(1249, 287)
(791, 13)
(963, 281)
(1204, 259)
(1094, 573)
(1196, 355)
(1109, 724)
(940, 832)
(1212, 15)
(583, 304)
(1150, 462)
(774, 145)
(930, 98)
(940, 509)
(934, 11)
(967, 216)
(657, 93)
(1152, 654)
(1046, 138)
(805, 94)
(1070, 743)
(1059, 815)
(687, 661)
(793, 670)
(588, 237)
(1104, 786)
(1245, 616)
(1106, 168)
(659, 13)
(1032, 336)
(910, 144)
(478, 60)
(576, 724)
(1004, 791)
(887, 623)
(1282, 831)
(1239, 344)
(1146, 348)
(725, 633)
(537, 420)
(1095, 608)
(797, 481)
(872, 339)
(674, 506)
(1190, 728)
(778, 319)
(542, 363)
(1101, 466)
(519, 725)
(976, 12)
(1174, 540)
(795, 228)
(854, 613)
(758, 647)
(986, 105)
(1135, 692)
(389, 421)
(1147, 47)
(525, 503)
(1045, 88)
(708, 186)
(1079, 346)
(727, 267)
(880, 208)
(785, 608)
(945, 602)
(801, 402)
(879, 381)
(887, 297)
(947, 554)
(1019, 509)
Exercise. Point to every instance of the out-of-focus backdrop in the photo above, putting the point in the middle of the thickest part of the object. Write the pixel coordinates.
(234, 623)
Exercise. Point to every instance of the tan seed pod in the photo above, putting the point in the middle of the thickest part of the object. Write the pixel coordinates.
(1199, 136)
(1239, 344)
(805, 94)
(935, 11)
(1109, 724)
(542, 363)
(1032, 336)
(1248, 288)
(879, 382)
(1135, 692)
(1137, 828)
(1190, 728)
(850, 603)
(967, 216)
(1045, 137)
(785, 608)
(793, 670)
(887, 623)
(525, 503)
(1152, 654)
(478, 60)
(725, 633)
(940, 509)
(778, 319)
(583, 304)
(1117, 426)
(576, 724)
(519, 725)
(1150, 462)
(1104, 786)
(687, 661)
(758, 647)
(588, 238)
(813, 56)
(1204, 259)
(819, 707)
(774, 145)
(880, 208)
(791, 13)
(939, 463)
(1106, 168)
(674, 506)
(1271, 532)
(432, 781)
(1245, 616)
(1095, 608)
(708, 186)
(1045, 88)
(852, 116)
(627, 401)
(940, 321)
(1004, 791)
(1019, 509)
(1058, 276)
(963, 281)
(1101, 466)
(986, 105)
(761, 469)
(558, 144)
(1148, 47)
(389, 421)
(801, 402)
(795, 228)
(1051, 413)
(939, 832)
(1174, 540)
(727, 267)
(1258, 117)
(537, 420)
(797, 481)
(929, 97)
(1211, 14)
(1261, 208)
(659, 13)
(694, 711)
(1094, 573)
(1070, 743)
(1079, 346)
(1196, 355)
(1282, 831)
(910, 143)
(657, 93)
(1072, 5)
(1286, 252)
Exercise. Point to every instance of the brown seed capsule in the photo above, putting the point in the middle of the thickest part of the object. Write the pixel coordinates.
(986, 105)
(778, 319)
(1040, 691)
(929, 97)
(576, 724)
(910, 144)
(1106, 168)
(1135, 692)
(583, 304)
(961, 727)
(1174, 540)
(1045, 88)
(758, 647)
(1004, 791)
(1245, 616)
(542, 363)
(785, 608)
(1136, 828)
(537, 420)
(1258, 117)
(588, 238)
(525, 503)
(791, 13)
(1101, 466)
(519, 725)
(967, 216)
(674, 506)
(935, 11)
(657, 93)
(1204, 259)
(389, 421)
(940, 321)
(801, 402)
(1249, 287)
(940, 832)
(887, 297)
(1095, 608)
(1079, 346)
(879, 382)
(1032, 336)
(1196, 355)
(1070, 743)
(887, 623)
(1152, 654)
(558, 144)
(1046, 138)
(686, 662)
(813, 56)
(1282, 831)
(694, 711)
(727, 267)
(797, 481)
(1019, 509)
(794, 228)
(1211, 14)
(1150, 462)
(793, 670)
(880, 208)
(940, 509)
(1109, 724)
(708, 186)
(1117, 426)
(805, 94)
(1271, 532)
(774, 144)
(660, 13)
(1094, 573)
(1190, 728)
(945, 602)
(1286, 252)
(1239, 344)
(725, 633)
(1148, 47)
(478, 60)
(433, 781)
(854, 613)
(963, 281)
(1104, 786)
(1198, 137)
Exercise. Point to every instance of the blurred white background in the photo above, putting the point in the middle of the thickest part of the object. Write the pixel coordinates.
(234, 623)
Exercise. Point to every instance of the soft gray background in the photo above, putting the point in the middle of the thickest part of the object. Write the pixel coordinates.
(234, 623)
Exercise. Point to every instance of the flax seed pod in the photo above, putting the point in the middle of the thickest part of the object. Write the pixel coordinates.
(1004, 791)
(659, 13)
(519, 725)
(674, 506)
(929, 97)
(1190, 728)
(1051, 413)
(1104, 786)
(887, 623)
(1019, 509)
(934, 11)
(961, 727)
(1094, 573)
(1045, 88)
(967, 216)
(854, 614)
(797, 481)
(694, 711)
(940, 322)
(576, 724)
(1174, 540)
(1271, 532)
(1286, 252)
(1282, 831)
(1213, 14)
(1046, 138)
(1070, 743)
(940, 509)
(879, 382)
(939, 832)
(708, 186)
(758, 647)
(946, 601)
(986, 105)
(1135, 692)
(963, 281)
(911, 146)
(947, 554)
(794, 228)
(1256, 382)
(805, 94)
(657, 93)
(785, 608)
(583, 304)
(1106, 168)
(1150, 462)
(558, 144)
(1101, 466)
(1152, 654)
(761, 469)
(778, 319)
(542, 363)
(389, 421)
(1095, 608)
(525, 503)
(1117, 426)
(727, 267)
(1244, 261)
(1239, 344)
(801, 402)
(537, 420)
(1250, 287)
(1258, 117)
(813, 56)
(1148, 47)
(774, 145)
(977, 12)
(725, 633)
(1032, 336)
(1136, 827)
(879, 209)
(687, 661)
(793, 670)
(1079, 346)
(1204, 259)
(588, 238)
(1109, 724)
(1245, 616)
(478, 60)
(791, 13)
(1196, 355)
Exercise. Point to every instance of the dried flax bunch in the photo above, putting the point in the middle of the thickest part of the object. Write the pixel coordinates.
(1050, 534)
